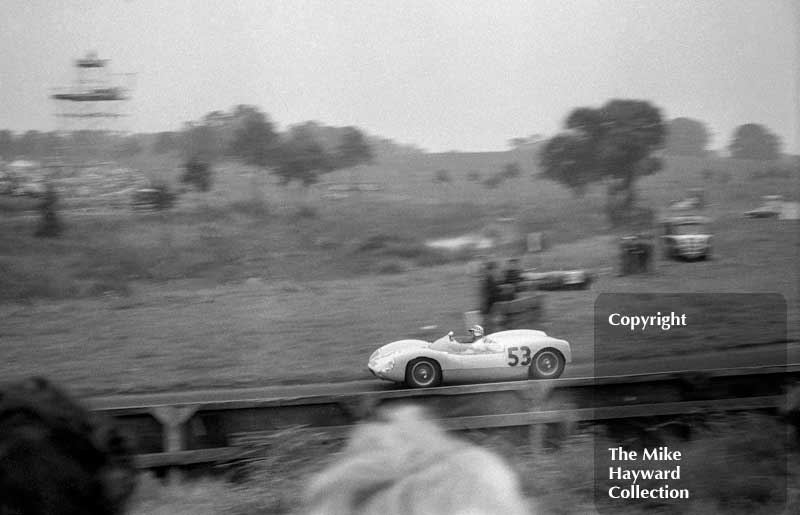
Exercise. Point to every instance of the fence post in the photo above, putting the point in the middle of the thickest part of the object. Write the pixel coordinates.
(173, 420)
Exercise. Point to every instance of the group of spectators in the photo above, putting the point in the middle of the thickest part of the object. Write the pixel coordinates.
(499, 285)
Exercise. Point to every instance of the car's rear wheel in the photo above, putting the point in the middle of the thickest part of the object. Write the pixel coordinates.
(423, 373)
(547, 364)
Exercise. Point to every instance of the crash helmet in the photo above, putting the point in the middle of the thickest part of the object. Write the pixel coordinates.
(477, 331)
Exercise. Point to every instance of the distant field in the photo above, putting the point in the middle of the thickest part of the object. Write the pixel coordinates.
(228, 290)
(249, 226)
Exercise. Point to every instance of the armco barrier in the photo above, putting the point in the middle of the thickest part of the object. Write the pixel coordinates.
(181, 434)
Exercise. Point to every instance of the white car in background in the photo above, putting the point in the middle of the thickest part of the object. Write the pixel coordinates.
(686, 237)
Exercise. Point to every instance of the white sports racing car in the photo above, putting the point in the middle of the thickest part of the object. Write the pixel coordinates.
(505, 355)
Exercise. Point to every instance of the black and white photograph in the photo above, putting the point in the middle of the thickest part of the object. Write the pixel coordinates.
(411, 257)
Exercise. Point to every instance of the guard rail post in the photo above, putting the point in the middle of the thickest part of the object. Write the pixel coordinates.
(173, 419)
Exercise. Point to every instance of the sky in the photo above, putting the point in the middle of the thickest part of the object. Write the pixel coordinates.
(442, 74)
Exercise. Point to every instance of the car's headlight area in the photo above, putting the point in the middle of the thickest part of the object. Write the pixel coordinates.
(382, 364)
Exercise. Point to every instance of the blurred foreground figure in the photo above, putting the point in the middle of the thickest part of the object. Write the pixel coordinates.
(54, 460)
(408, 465)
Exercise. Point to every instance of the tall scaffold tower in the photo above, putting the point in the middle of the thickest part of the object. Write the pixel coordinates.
(92, 108)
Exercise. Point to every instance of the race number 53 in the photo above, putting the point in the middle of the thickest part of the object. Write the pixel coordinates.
(519, 356)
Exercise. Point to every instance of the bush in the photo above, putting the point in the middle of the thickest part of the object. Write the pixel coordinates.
(735, 464)
(164, 197)
(493, 181)
(442, 176)
(306, 212)
(198, 173)
(739, 463)
(511, 171)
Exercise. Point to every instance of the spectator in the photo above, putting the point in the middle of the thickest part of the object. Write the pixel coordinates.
(646, 252)
(49, 225)
(408, 464)
(490, 290)
(513, 274)
(54, 459)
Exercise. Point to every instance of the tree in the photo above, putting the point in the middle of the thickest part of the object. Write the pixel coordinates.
(6, 145)
(199, 141)
(613, 144)
(353, 149)
(301, 158)
(686, 137)
(254, 139)
(754, 141)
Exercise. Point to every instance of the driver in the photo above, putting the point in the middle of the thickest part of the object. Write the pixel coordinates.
(477, 333)
(450, 344)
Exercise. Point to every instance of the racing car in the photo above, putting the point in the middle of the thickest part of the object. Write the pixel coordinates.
(506, 355)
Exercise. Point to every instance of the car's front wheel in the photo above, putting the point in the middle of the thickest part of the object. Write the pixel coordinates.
(423, 373)
(547, 364)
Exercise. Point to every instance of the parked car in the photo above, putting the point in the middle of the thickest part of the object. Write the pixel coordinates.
(686, 237)
(771, 208)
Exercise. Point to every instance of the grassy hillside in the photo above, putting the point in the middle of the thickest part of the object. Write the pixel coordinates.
(209, 293)
(248, 226)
